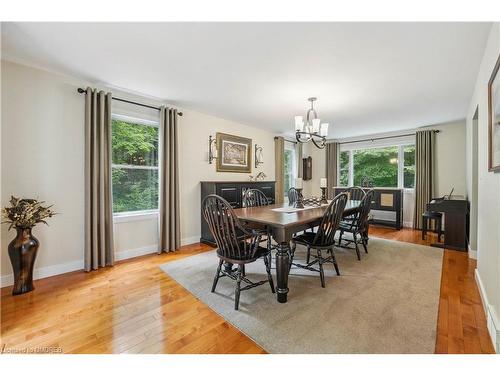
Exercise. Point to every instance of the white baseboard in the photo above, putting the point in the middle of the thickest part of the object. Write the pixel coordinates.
(408, 224)
(132, 253)
(57, 269)
(472, 253)
(190, 240)
(43, 272)
(491, 317)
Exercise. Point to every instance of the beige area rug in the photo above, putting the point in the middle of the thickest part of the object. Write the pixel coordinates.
(385, 303)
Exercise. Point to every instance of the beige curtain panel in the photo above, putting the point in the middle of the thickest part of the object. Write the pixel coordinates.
(332, 156)
(424, 173)
(170, 233)
(279, 160)
(99, 248)
(300, 165)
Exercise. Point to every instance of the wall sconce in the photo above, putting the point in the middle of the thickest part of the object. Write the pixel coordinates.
(259, 158)
(212, 150)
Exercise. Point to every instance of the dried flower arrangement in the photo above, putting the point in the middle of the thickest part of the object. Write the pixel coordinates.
(26, 213)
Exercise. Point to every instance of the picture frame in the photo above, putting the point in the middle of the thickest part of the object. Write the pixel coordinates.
(494, 120)
(234, 153)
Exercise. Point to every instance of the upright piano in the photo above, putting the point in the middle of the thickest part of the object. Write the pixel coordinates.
(456, 215)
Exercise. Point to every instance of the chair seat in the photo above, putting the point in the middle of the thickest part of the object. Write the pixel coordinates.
(432, 214)
(307, 238)
(347, 226)
(261, 252)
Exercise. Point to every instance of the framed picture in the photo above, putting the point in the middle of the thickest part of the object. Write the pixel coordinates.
(234, 153)
(494, 120)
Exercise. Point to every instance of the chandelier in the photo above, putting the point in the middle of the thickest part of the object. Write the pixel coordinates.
(311, 129)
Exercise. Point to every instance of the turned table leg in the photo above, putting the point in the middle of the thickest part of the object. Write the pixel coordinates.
(282, 268)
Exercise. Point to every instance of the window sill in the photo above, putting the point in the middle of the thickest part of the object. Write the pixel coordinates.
(126, 217)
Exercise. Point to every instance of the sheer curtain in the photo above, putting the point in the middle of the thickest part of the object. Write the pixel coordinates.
(99, 248)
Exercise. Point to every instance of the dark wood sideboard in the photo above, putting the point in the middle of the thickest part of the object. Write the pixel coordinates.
(385, 200)
(232, 191)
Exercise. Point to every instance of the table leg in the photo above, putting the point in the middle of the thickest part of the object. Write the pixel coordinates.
(282, 268)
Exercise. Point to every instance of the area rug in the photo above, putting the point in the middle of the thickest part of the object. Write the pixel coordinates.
(385, 303)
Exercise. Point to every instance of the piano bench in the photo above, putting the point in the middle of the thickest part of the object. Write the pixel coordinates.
(427, 217)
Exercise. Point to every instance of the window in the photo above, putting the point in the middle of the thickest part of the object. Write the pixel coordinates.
(290, 167)
(135, 165)
(388, 166)
(344, 168)
(409, 166)
(380, 165)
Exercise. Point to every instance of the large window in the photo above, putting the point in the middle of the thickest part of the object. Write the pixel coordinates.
(344, 168)
(388, 166)
(135, 165)
(379, 165)
(290, 167)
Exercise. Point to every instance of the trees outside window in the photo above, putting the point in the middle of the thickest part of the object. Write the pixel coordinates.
(380, 165)
(390, 166)
(290, 169)
(409, 166)
(134, 166)
(344, 168)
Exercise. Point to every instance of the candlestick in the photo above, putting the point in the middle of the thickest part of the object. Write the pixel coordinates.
(323, 196)
(298, 183)
(299, 202)
(322, 182)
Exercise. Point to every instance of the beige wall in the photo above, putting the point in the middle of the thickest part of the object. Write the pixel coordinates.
(43, 153)
(488, 209)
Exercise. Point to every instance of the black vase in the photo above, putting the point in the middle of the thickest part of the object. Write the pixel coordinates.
(22, 253)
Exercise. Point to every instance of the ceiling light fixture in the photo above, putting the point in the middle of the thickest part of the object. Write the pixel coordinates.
(312, 130)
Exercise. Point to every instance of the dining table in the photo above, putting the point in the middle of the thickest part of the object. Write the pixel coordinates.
(282, 221)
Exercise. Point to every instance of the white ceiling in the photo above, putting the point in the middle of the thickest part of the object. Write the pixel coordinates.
(368, 77)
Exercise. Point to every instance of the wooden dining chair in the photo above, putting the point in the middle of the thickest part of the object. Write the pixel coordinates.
(254, 198)
(356, 193)
(235, 245)
(358, 225)
(322, 240)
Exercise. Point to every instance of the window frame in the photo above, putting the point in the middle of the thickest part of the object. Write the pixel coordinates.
(128, 216)
(400, 145)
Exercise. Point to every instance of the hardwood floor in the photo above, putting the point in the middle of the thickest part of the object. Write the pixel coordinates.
(134, 307)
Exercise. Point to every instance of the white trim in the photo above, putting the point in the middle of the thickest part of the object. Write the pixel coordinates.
(131, 166)
(125, 217)
(472, 253)
(492, 321)
(132, 253)
(43, 272)
(408, 224)
(190, 240)
(134, 120)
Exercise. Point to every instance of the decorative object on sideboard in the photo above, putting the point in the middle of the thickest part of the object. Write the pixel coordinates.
(259, 157)
(299, 203)
(494, 120)
(260, 177)
(23, 215)
(307, 168)
(311, 129)
(212, 149)
(234, 154)
(323, 186)
(366, 182)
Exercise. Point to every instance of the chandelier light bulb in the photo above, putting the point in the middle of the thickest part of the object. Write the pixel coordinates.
(324, 129)
(315, 125)
(299, 124)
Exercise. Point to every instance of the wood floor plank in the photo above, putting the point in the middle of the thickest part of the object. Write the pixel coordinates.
(134, 307)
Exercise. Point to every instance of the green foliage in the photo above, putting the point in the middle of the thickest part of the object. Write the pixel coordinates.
(379, 164)
(344, 168)
(134, 189)
(288, 161)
